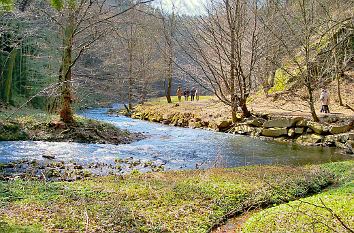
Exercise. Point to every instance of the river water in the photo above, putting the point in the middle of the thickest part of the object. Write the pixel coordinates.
(176, 148)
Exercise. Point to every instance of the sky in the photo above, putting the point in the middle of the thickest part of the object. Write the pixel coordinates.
(189, 7)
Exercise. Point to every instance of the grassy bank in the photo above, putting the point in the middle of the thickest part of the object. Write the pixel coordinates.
(330, 211)
(36, 125)
(179, 201)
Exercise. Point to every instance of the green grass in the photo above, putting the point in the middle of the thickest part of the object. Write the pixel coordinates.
(280, 81)
(9, 227)
(25, 113)
(176, 201)
(32, 124)
(319, 213)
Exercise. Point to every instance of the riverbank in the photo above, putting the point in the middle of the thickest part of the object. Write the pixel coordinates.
(36, 125)
(328, 211)
(178, 201)
(211, 114)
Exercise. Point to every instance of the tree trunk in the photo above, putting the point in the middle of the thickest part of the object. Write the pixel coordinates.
(339, 75)
(66, 113)
(312, 105)
(338, 89)
(169, 79)
(243, 106)
(170, 46)
(131, 46)
(168, 91)
(9, 76)
(130, 87)
(234, 114)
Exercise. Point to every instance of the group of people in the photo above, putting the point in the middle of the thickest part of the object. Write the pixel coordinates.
(193, 93)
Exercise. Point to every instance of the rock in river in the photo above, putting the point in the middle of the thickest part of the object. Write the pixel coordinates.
(282, 122)
(274, 132)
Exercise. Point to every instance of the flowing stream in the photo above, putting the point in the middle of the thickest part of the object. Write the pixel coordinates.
(175, 148)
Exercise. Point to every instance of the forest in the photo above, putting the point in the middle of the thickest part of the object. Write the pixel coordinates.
(176, 116)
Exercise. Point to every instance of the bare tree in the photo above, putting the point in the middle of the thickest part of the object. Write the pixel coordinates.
(81, 24)
(343, 53)
(134, 57)
(304, 31)
(169, 30)
(224, 47)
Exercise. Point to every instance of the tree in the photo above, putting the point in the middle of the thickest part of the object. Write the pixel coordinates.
(304, 32)
(342, 53)
(169, 29)
(134, 57)
(81, 24)
(224, 46)
(24, 54)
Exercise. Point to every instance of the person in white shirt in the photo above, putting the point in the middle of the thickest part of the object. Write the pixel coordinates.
(324, 98)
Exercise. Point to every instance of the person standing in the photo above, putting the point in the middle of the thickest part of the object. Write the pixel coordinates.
(186, 97)
(192, 94)
(196, 95)
(324, 98)
(179, 93)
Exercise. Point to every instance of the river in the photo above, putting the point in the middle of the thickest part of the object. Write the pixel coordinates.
(175, 148)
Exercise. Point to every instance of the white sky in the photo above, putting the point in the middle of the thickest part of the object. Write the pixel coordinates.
(189, 7)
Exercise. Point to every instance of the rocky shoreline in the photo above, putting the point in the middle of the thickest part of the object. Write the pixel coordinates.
(51, 169)
(332, 132)
(82, 131)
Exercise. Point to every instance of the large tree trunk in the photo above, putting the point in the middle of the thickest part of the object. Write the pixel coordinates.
(169, 41)
(312, 105)
(66, 112)
(234, 114)
(243, 106)
(168, 91)
(234, 108)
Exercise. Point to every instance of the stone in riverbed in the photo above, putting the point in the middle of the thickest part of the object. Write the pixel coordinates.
(346, 147)
(351, 136)
(317, 127)
(330, 140)
(309, 139)
(223, 124)
(52, 173)
(243, 129)
(48, 156)
(343, 138)
(256, 133)
(299, 130)
(351, 143)
(282, 122)
(165, 122)
(274, 132)
(302, 123)
(255, 122)
(193, 124)
(336, 129)
(291, 132)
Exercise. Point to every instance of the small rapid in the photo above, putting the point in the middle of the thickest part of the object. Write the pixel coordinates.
(173, 147)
